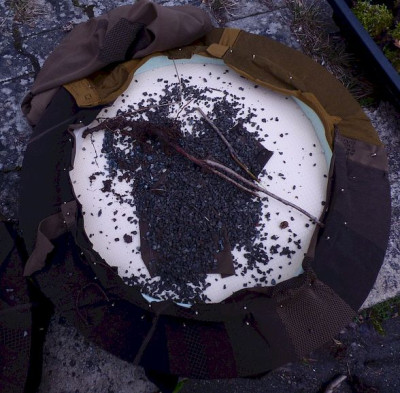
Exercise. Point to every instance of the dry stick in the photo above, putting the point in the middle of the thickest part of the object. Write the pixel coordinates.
(183, 107)
(95, 151)
(335, 383)
(146, 108)
(213, 166)
(261, 189)
(209, 167)
(228, 145)
(133, 111)
(250, 184)
(180, 82)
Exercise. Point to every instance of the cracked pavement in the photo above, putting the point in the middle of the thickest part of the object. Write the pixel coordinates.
(30, 30)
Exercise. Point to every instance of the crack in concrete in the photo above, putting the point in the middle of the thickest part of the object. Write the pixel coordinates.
(17, 42)
(17, 168)
(42, 32)
(257, 14)
(87, 9)
(14, 78)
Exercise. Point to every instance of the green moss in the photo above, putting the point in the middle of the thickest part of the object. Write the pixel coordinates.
(179, 386)
(367, 101)
(381, 312)
(375, 18)
(395, 33)
(393, 55)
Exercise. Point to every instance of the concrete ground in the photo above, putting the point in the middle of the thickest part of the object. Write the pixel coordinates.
(30, 30)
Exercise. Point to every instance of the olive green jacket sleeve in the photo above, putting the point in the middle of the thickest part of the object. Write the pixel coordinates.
(126, 32)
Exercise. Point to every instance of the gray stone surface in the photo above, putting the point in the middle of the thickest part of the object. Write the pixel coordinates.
(274, 24)
(14, 135)
(386, 120)
(78, 366)
(71, 364)
(14, 64)
(244, 9)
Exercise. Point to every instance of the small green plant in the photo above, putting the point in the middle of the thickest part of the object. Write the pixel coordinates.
(221, 7)
(309, 26)
(376, 18)
(395, 33)
(367, 101)
(393, 55)
(179, 386)
(381, 312)
(27, 11)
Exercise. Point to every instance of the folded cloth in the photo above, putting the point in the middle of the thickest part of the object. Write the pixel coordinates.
(130, 31)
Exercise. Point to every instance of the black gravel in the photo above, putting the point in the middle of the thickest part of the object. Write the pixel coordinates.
(189, 212)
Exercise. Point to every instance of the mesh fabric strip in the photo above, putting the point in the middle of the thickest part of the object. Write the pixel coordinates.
(15, 317)
(118, 40)
(313, 315)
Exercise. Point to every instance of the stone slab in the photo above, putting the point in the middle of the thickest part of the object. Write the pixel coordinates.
(14, 130)
(275, 25)
(14, 135)
(41, 45)
(13, 63)
(244, 9)
(386, 120)
(73, 365)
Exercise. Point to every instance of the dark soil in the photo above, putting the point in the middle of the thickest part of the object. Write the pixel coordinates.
(368, 360)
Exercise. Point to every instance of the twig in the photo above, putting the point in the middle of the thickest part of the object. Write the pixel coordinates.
(169, 136)
(180, 82)
(243, 166)
(146, 108)
(133, 111)
(232, 151)
(183, 107)
(213, 166)
(335, 383)
(208, 164)
(17, 168)
(262, 190)
(94, 147)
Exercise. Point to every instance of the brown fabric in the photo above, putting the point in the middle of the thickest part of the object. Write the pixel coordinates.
(258, 336)
(92, 45)
(267, 63)
(102, 87)
(47, 162)
(312, 315)
(197, 349)
(289, 71)
(227, 40)
(49, 229)
(363, 153)
(224, 264)
(353, 242)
